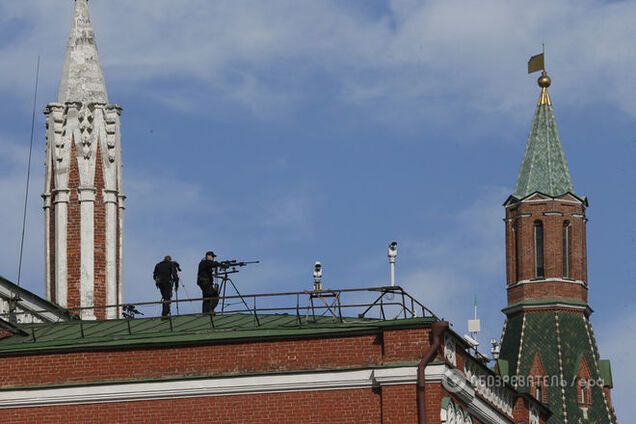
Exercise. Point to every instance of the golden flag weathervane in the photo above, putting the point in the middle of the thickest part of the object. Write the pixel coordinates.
(535, 64)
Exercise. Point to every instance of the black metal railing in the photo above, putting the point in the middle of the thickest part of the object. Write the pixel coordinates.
(383, 303)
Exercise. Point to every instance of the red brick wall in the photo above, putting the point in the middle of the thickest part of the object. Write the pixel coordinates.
(399, 404)
(388, 404)
(520, 251)
(99, 218)
(547, 290)
(73, 250)
(320, 407)
(208, 360)
(405, 345)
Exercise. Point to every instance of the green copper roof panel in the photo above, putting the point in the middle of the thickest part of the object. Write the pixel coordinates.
(510, 343)
(606, 372)
(543, 168)
(576, 345)
(187, 329)
(540, 337)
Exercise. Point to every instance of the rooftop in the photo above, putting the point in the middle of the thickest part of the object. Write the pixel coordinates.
(311, 314)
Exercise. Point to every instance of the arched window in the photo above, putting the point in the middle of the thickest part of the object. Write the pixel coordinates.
(585, 393)
(538, 250)
(567, 236)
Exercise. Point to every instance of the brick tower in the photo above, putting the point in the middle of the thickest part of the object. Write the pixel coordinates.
(83, 200)
(548, 334)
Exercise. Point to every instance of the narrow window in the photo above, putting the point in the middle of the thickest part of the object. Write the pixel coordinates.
(583, 394)
(567, 235)
(516, 235)
(538, 249)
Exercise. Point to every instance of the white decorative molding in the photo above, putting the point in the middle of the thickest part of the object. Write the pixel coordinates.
(340, 380)
(450, 349)
(111, 229)
(548, 280)
(533, 415)
(393, 376)
(476, 405)
(61, 262)
(87, 250)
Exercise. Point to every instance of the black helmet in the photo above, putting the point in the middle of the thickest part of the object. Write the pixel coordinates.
(210, 253)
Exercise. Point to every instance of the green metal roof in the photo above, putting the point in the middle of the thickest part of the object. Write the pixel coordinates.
(187, 329)
(561, 344)
(544, 168)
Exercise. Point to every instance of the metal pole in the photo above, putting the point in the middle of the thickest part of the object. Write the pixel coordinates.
(176, 295)
(392, 266)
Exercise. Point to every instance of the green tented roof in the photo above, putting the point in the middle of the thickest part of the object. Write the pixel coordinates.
(562, 340)
(544, 168)
(186, 329)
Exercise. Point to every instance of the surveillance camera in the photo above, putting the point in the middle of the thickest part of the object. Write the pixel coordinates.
(393, 250)
(317, 276)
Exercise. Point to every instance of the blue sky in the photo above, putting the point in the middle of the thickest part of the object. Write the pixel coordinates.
(295, 131)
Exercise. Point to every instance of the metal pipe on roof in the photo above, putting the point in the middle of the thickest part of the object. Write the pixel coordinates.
(437, 329)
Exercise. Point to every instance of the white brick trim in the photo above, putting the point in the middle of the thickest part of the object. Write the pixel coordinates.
(341, 380)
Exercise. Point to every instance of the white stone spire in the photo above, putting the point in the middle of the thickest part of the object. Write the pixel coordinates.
(83, 198)
(82, 77)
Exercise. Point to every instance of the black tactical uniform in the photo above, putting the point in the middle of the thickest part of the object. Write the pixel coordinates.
(205, 280)
(165, 275)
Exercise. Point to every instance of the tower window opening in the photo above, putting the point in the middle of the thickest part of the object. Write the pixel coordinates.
(583, 392)
(517, 257)
(567, 236)
(538, 250)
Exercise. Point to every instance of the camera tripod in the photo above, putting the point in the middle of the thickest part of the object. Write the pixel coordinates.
(221, 287)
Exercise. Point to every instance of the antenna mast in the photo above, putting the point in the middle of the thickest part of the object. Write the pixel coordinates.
(26, 194)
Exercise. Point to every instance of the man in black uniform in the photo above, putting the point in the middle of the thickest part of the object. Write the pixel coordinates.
(205, 280)
(165, 275)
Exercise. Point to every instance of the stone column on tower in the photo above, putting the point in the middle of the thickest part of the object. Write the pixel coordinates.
(83, 197)
(548, 345)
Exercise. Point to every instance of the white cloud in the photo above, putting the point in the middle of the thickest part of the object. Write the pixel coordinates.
(465, 260)
(414, 55)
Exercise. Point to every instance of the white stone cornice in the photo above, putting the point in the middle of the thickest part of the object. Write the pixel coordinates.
(46, 200)
(86, 194)
(61, 195)
(272, 383)
(548, 280)
(393, 376)
(110, 196)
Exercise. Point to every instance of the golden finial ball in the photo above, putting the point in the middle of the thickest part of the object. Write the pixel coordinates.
(544, 80)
